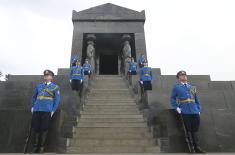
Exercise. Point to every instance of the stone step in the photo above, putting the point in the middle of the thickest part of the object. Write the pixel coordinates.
(111, 120)
(110, 87)
(108, 77)
(109, 94)
(110, 100)
(114, 85)
(112, 124)
(111, 112)
(106, 85)
(114, 149)
(114, 97)
(111, 142)
(104, 91)
(108, 90)
(111, 104)
(109, 80)
(110, 109)
(100, 130)
(112, 135)
(110, 116)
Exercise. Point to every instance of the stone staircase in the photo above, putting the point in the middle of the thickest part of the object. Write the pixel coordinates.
(111, 121)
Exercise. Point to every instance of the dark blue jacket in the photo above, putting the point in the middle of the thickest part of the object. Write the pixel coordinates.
(46, 97)
(145, 74)
(141, 59)
(132, 66)
(77, 73)
(180, 94)
(86, 67)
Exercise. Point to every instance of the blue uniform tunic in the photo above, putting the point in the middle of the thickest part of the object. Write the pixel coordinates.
(86, 67)
(184, 96)
(77, 73)
(132, 66)
(141, 59)
(145, 74)
(45, 97)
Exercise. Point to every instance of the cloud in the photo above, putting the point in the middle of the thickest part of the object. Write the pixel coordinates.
(197, 36)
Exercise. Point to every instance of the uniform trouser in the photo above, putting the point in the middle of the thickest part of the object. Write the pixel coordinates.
(87, 73)
(131, 72)
(192, 123)
(41, 121)
(141, 65)
(76, 85)
(147, 85)
(40, 124)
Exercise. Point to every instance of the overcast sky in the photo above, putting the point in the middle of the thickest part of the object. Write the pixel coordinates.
(194, 35)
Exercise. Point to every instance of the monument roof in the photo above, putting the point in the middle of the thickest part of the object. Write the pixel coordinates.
(108, 12)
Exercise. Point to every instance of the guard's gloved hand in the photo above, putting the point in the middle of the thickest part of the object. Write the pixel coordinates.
(80, 81)
(89, 72)
(199, 113)
(70, 81)
(141, 82)
(178, 110)
(52, 114)
(32, 110)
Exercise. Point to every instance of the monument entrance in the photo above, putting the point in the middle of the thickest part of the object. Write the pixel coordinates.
(108, 63)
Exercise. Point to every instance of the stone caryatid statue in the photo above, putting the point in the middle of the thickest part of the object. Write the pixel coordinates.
(126, 51)
(126, 46)
(90, 51)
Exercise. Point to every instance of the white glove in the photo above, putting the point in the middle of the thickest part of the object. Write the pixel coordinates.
(80, 81)
(52, 114)
(178, 110)
(89, 72)
(199, 113)
(70, 81)
(32, 110)
(141, 82)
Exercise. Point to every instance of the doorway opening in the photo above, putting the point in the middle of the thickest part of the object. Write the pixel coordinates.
(108, 64)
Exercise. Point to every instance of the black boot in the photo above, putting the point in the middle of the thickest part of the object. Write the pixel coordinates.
(196, 143)
(36, 136)
(42, 141)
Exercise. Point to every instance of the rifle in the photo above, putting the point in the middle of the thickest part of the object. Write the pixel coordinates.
(188, 136)
(28, 139)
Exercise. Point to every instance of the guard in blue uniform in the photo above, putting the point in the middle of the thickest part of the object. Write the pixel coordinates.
(77, 76)
(45, 100)
(185, 101)
(145, 77)
(87, 68)
(141, 60)
(132, 67)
